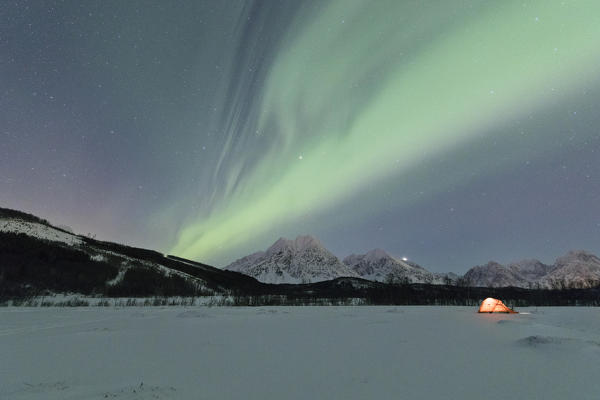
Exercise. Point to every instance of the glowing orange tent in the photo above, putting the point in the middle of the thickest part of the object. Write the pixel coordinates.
(491, 305)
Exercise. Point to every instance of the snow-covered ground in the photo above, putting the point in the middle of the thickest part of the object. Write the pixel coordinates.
(298, 353)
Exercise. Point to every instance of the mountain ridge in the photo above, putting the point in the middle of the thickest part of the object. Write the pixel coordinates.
(37, 257)
(378, 265)
(302, 260)
(578, 269)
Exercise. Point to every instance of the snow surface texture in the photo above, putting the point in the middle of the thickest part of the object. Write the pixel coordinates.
(299, 353)
(39, 231)
(303, 260)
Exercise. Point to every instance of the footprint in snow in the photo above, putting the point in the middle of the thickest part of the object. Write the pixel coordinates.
(45, 387)
(141, 392)
(536, 341)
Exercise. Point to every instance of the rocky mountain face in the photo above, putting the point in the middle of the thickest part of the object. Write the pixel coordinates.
(377, 265)
(303, 260)
(576, 270)
(531, 270)
(493, 274)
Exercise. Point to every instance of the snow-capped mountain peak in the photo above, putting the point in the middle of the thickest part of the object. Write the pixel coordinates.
(576, 269)
(301, 260)
(530, 269)
(577, 256)
(494, 274)
(298, 245)
(377, 255)
(378, 265)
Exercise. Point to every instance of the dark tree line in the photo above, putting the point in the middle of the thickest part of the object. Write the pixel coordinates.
(32, 267)
(29, 266)
(141, 281)
(14, 214)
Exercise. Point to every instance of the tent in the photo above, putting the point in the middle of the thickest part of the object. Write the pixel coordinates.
(491, 305)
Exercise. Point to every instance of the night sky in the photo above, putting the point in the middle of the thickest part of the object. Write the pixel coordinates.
(449, 132)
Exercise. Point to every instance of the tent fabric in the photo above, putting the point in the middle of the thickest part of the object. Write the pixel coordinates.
(491, 305)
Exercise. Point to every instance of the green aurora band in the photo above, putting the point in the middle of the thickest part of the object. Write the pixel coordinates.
(359, 87)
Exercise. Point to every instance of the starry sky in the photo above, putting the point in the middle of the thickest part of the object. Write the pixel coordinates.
(449, 132)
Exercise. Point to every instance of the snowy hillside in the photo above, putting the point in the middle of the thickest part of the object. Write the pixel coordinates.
(303, 260)
(37, 258)
(38, 230)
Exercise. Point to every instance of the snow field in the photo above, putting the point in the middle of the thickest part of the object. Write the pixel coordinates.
(298, 353)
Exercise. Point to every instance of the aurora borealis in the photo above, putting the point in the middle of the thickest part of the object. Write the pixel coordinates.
(450, 132)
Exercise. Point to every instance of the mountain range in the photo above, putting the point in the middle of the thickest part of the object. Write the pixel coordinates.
(306, 260)
(577, 269)
(38, 257)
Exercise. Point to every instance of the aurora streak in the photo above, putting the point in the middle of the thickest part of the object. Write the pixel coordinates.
(448, 132)
(366, 91)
